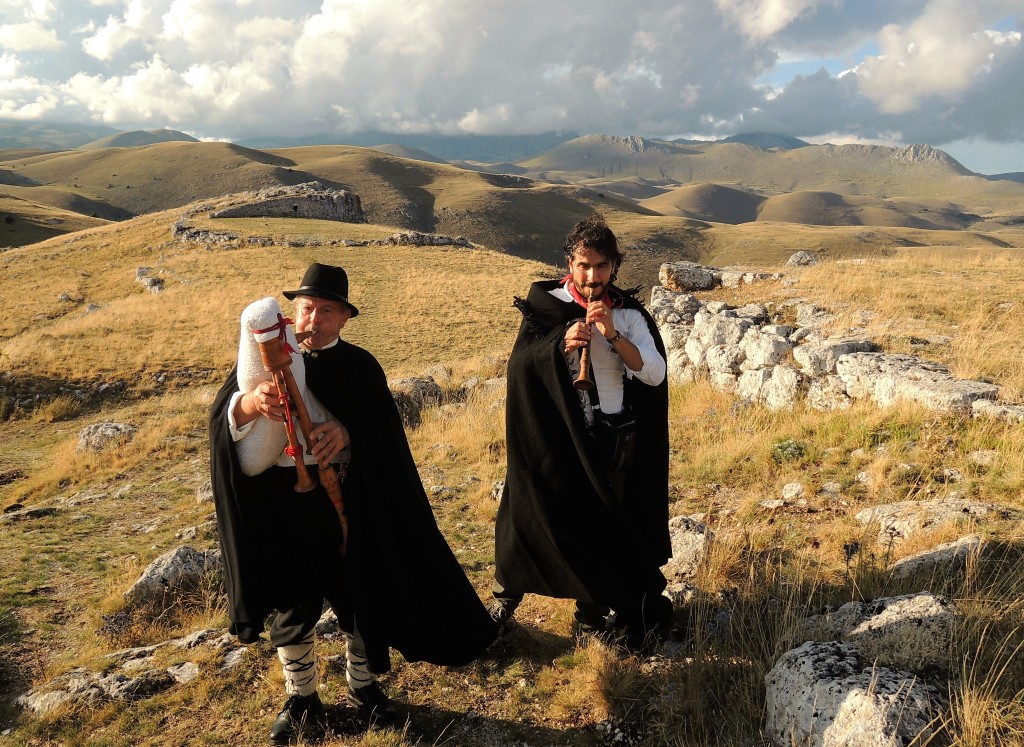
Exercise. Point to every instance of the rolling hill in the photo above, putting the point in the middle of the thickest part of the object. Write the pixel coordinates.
(137, 138)
(635, 182)
(503, 212)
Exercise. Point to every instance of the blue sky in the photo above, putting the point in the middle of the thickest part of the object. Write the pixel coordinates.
(949, 73)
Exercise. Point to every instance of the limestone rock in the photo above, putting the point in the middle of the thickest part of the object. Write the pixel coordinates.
(897, 521)
(175, 570)
(819, 358)
(718, 329)
(942, 560)
(778, 387)
(792, 490)
(204, 493)
(998, 410)
(822, 695)
(827, 393)
(802, 259)
(686, 276)
(665, 302)
(679, 368)
(680, 593)
(82, 687)
(907, 632)
(413, 395)
(309, 200)
(887, 378)
(761, 350)
(100, 436)
(723, 381)
(691, 541)
(724, 358)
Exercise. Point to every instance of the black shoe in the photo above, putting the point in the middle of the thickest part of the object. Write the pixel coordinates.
(301, 714)
(583, 632)
(374, 705)
(502, 615)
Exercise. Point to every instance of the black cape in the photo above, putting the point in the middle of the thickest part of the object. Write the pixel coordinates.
(405, 586)
(561, 531)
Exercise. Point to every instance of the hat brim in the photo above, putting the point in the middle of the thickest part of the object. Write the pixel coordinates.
(318, 293)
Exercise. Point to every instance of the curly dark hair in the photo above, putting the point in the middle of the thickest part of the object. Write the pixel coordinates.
(594, 234)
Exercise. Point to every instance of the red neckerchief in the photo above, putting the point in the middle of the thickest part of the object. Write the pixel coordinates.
(609, 292)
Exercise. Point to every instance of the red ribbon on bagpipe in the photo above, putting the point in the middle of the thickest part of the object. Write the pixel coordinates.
(282, 329)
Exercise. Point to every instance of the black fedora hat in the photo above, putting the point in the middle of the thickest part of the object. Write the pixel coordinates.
(324, 281)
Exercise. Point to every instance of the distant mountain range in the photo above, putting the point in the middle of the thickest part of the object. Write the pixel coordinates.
(494, 153)
(669, 198)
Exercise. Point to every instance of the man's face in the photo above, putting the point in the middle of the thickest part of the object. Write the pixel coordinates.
(321, 317)
(591, 271)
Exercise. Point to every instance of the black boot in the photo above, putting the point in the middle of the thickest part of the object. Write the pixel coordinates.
(374, 705)
(302, 714)
(502, 611)
(590, 622)
(642, 628)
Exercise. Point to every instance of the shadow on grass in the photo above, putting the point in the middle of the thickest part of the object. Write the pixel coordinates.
(13, 680)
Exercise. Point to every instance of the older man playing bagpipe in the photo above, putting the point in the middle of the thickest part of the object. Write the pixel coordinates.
(366, 542)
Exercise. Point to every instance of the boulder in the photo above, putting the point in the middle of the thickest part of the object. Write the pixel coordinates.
(691, 540)
(941, 561)
(822, 695)
(1008, 413)
(174, 571)
(802, 259)
(897, 521)
(886, 378)
(686, 276)
(827, 393)
(907, 632)
(665, 302)
(761, 349)
(100, 436)
(819, 358)
(413, 395)
(724, 358)
(777, 388)
(308, 200)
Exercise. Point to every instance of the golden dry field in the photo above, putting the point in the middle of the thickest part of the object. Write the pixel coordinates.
(77, 319)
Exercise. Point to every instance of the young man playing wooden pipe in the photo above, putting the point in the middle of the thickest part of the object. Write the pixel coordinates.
(584, 513)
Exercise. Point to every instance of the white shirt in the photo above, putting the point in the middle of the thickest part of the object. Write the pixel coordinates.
(607, 365)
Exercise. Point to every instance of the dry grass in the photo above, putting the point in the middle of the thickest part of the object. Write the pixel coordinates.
(767, 570)
(971, 295)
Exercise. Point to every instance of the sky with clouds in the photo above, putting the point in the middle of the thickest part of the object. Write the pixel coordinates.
(945, 72)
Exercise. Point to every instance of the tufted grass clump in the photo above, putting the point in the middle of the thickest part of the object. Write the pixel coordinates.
(788, 450)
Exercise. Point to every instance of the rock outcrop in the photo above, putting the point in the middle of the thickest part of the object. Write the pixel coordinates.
(309, 200)
(747, 352)
(825, 695)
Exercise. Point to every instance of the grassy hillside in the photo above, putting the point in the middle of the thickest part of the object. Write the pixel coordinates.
(505, 213)
(166, 354)
(26, 221)
(138, 138)
(667, 201)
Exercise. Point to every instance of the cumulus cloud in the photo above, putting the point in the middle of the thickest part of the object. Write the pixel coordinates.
(241, 68)
(941, 53)
(761, 19)
(28, 37)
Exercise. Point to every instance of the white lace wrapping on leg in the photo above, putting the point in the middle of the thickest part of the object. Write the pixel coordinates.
(356, 673)
(299, 665)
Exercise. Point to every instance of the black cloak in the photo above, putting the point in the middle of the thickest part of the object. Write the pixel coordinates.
(561, 531)
(401, 579)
